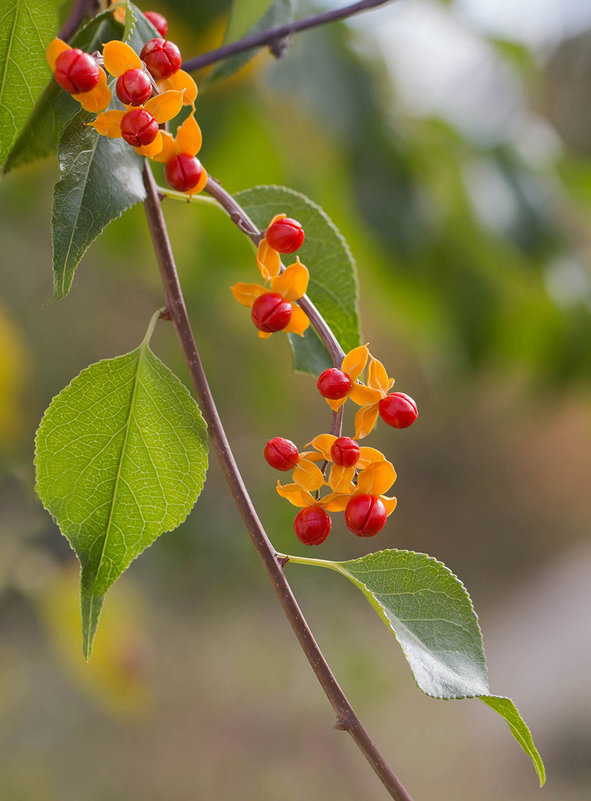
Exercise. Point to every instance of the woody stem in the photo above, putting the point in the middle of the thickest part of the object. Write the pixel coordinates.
(176, 311)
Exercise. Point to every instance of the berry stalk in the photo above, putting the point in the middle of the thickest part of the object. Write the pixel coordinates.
(176, 311)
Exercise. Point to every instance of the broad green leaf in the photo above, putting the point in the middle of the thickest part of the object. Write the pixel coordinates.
(100, 178)
(26, 27)
(247, 18)
(431, 615)
(138, 29)
(55, 108)
(333, 275)
(121, 457)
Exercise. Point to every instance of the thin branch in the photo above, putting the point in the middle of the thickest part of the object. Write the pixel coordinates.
(80, 10)
(239, 216)
(276, 34)
(176, 310)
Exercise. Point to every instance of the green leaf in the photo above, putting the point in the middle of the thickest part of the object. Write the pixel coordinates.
(55, 108)
(100, 178)
(245, 20)
(431, 615)
(121, 457)
(138, 29)
(333, 275)
(26, 27)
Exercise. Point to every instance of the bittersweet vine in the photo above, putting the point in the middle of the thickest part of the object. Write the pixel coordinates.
(121, 452)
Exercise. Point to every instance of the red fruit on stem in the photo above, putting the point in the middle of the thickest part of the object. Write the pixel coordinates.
(398, 410)
(271, 312)
(76, 71)
(161, 57)
(183, 172)
(281, 453)
(312, 525)
(365, 515)
(285, 235)
(139, 127)
(345, 452)
(158, 21)
(133, 87)
(334, 384)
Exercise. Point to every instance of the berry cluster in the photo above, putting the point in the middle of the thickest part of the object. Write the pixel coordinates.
(274, 307)
(359, 476)
(151, 86)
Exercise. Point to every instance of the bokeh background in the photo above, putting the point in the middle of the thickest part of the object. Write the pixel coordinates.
(450, 142)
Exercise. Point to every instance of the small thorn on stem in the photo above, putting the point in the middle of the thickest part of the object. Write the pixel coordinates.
(341, 725)
(279, 47)
(282, 560)
(165, 315)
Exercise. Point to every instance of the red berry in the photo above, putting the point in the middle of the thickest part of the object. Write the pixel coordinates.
(183, 172)
(271, 312)
(398, 410)
(133, 87)
(365, 515)
(139, 127)
(312, 525)
(76, 71)
(334, 384)
(345, 452)
(161, 57)
(281, 453)
(158, 21)
(285, 235)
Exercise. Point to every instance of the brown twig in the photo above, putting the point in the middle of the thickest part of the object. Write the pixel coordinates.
(80, 10)
(239, 216)
(273, 564)
(273, 35)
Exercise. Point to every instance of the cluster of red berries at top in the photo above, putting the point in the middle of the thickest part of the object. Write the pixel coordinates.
(359, 476)
(152, 87)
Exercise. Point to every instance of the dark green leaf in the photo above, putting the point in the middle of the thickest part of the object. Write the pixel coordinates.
(40, 136)
(26, 27)
(138, 29)
(333, 275)
(431, 615)
(243, 22)
(100, 178)
(121, 457)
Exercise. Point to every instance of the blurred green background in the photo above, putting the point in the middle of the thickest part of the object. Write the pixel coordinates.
(451, 143)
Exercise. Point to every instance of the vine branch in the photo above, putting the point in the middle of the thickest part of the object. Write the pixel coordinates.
(239, 216)
(80, 10)
(273, 36)
(176, 311)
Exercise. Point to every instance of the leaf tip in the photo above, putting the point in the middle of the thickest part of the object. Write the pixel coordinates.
(91, 605)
